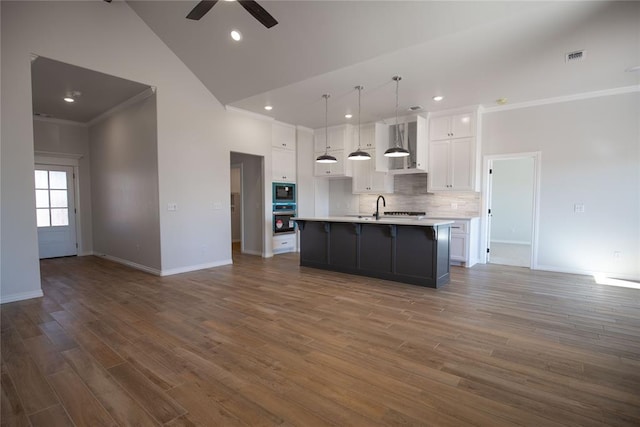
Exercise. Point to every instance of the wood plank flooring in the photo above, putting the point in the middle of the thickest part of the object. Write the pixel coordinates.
(265, 342)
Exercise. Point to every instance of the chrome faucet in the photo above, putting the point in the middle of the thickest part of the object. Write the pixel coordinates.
(384, 204)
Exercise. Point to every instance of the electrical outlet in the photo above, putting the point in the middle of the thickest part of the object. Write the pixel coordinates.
(217, 205)
(578, 208)
(617, 254)
(172, 206)
(454, 206)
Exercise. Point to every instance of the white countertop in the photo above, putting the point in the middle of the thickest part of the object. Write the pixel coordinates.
(426, 222)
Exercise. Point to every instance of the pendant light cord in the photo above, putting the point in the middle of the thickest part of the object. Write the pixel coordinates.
(397, 79)
(359, 109)
(326, 126)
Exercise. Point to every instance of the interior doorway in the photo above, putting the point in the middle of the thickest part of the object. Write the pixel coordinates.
(512, 183)
(250, 207)
(236, 207)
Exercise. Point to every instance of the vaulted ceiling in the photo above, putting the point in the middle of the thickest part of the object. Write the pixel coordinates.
(469, 52)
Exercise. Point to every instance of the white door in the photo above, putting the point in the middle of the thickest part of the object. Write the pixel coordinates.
(55, 211)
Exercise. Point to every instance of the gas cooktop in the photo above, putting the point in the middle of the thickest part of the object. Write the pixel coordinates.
(405, 213)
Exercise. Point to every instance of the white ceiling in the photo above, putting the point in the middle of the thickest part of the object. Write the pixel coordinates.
(52, 80)
(470, 52)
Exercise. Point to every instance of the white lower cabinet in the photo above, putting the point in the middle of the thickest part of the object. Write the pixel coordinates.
(284, 243)
(464, 244)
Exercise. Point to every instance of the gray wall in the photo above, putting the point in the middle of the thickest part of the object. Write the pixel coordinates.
(68, 138)
(512, 201)
(590, 152)
(124, 185)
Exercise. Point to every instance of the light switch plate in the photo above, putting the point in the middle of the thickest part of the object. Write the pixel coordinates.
(578, 208)
(172, 206)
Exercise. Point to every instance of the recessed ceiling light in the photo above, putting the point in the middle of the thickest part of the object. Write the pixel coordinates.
(268, 107)
(236, 35)
(438, 98)
(348, 116)
(68, 99)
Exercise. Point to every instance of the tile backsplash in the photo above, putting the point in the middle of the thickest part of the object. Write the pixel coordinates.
(410, 194)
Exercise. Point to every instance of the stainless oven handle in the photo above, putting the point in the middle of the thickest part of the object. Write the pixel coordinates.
(284, 212)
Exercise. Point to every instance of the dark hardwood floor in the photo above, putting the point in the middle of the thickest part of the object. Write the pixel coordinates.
(267, 343)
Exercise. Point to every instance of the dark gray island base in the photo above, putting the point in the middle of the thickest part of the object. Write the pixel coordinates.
(402, 252)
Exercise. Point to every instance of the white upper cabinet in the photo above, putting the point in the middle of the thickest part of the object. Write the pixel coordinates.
(283, 152)
(333, 170)
(453, 126)
(454, 151)
(339, 145)
(366, 179)
(283, 165)
(412, 134)
(283, 136)
(339, 138)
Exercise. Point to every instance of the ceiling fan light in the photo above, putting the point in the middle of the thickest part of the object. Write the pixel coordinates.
(359, 155)
(68, 99)
(396, 152)
(326, 158)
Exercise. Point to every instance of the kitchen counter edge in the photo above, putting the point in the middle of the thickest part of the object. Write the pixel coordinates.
(426, 222)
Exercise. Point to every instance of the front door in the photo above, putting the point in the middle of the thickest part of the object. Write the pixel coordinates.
(55, 211)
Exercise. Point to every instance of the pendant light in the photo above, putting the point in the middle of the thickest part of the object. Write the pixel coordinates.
(359, 154)
(326, 157)
(397, 150)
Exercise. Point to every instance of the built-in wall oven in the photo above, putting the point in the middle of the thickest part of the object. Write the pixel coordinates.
(283, 215)
(284, 193)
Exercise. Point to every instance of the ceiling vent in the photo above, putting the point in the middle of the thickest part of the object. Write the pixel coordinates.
(577, 55)
(415, 108)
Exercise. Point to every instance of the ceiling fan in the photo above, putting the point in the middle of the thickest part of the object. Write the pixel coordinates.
(250, 6)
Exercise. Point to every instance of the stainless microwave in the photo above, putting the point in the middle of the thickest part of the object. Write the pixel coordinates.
(284, 192)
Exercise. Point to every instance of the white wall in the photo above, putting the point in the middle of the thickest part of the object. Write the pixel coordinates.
(70, 139)
(590, 155)
(195, 133)
(124, 185)
(512, 200)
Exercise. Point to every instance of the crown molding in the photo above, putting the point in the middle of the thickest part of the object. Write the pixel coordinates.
(134, 99)
(250, 114)
(304, 129)
(566, 98)
(59, 121)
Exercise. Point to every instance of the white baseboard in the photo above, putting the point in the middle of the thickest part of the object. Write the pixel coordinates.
(511, 242)
(585, 272)
(250, 252)
(21, 296)
(86, 253)
(187, 269)
(131, 264)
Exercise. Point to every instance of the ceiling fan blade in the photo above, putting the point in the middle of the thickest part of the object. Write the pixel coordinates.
(258, 12)
(201, 9)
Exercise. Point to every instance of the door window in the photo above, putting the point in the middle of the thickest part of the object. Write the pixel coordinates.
(52, 204)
